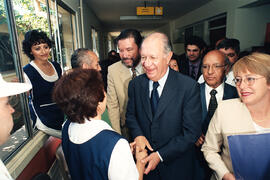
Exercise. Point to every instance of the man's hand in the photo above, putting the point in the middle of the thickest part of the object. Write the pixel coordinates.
(228, 176)
(152, 160)
(140, 155)
(141, 142)
(200, 141)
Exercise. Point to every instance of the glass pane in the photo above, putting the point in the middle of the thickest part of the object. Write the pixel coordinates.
(29, 15)
(95, 41)
(7, 69)
(54, 28)
(66, 21)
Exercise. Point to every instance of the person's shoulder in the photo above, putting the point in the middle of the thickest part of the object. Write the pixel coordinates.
(183, 78)
(116, 66)
(231, 103)
(27, 66)
(139, 79)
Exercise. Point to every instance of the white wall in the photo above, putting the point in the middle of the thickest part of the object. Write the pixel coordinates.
(250, 26)
(237, 19)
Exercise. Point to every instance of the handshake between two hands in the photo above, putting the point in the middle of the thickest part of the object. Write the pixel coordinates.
(138, 147)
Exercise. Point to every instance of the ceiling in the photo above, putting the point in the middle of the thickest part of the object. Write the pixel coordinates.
(109, 12)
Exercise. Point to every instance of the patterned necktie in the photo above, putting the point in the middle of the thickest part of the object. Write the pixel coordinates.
(193, 73)
(211, 109)
(154, 98)
(133, 72)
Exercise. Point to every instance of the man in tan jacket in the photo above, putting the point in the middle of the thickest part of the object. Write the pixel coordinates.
(119, 75)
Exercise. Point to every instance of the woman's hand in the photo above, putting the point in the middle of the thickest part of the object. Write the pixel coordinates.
(228, 176)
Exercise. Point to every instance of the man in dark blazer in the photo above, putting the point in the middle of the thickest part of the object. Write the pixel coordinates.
(164, 119)
(213, 69)
(191, 62)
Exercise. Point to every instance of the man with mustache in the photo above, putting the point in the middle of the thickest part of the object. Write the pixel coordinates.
(191, 64)
(213, 91)
(119, 75)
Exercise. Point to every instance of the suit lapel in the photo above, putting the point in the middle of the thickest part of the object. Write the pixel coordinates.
(145, 97)
(167, 94)
(203, 100)
(125, 75)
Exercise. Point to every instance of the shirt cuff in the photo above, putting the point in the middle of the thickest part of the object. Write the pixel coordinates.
(160, 157)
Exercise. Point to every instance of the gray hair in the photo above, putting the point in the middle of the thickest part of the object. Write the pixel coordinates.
(79, 57)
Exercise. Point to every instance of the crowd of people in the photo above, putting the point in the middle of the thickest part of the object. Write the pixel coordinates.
(172, 113)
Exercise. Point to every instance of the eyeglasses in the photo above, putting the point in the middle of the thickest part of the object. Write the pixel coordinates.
(248, 80)
(214, 66)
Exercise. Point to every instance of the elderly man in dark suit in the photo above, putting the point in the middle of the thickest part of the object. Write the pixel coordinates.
(213, 90)
(164, 113)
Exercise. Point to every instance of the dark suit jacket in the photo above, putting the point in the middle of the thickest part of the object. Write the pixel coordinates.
(184, 67)
(174, 128)
(230, 92)
(203, 172)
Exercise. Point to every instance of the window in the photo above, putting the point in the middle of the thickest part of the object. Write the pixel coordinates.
(9, 71)
(217, 29)
(95, 41)
(63, 32)
(29, 15)
(211, 30)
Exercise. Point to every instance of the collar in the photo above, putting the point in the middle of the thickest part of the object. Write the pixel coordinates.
(219, 89)
(80, 133)
(162, 81)
(138, 68)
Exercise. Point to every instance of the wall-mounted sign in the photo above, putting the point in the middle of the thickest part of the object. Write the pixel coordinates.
(159, 11)
(145, 11)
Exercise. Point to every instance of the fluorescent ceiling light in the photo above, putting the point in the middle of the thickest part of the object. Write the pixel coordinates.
(126, 18)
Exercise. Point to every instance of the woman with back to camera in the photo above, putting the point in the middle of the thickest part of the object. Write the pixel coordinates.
(249, 114)
(92, 149)
(42, 74)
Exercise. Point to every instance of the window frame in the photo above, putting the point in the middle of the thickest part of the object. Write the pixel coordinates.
(20, 154)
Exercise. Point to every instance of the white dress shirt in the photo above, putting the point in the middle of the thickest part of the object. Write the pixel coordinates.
(161, 83)
(122, 165)
(138, 69)
(219, 95)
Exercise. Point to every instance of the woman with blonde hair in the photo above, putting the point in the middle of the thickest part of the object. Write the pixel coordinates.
(248, 114)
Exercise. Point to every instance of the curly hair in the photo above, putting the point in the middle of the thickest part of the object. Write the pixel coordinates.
(34, 37)
(78, 93)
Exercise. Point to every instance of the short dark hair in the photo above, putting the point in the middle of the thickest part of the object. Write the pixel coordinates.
(34, 37)
(230, 44)
(127, 33)
(78, 93)
(78, 57)
(195, 40)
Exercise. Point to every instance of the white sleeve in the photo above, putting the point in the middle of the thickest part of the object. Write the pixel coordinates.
(122, 165)
(27, 80)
